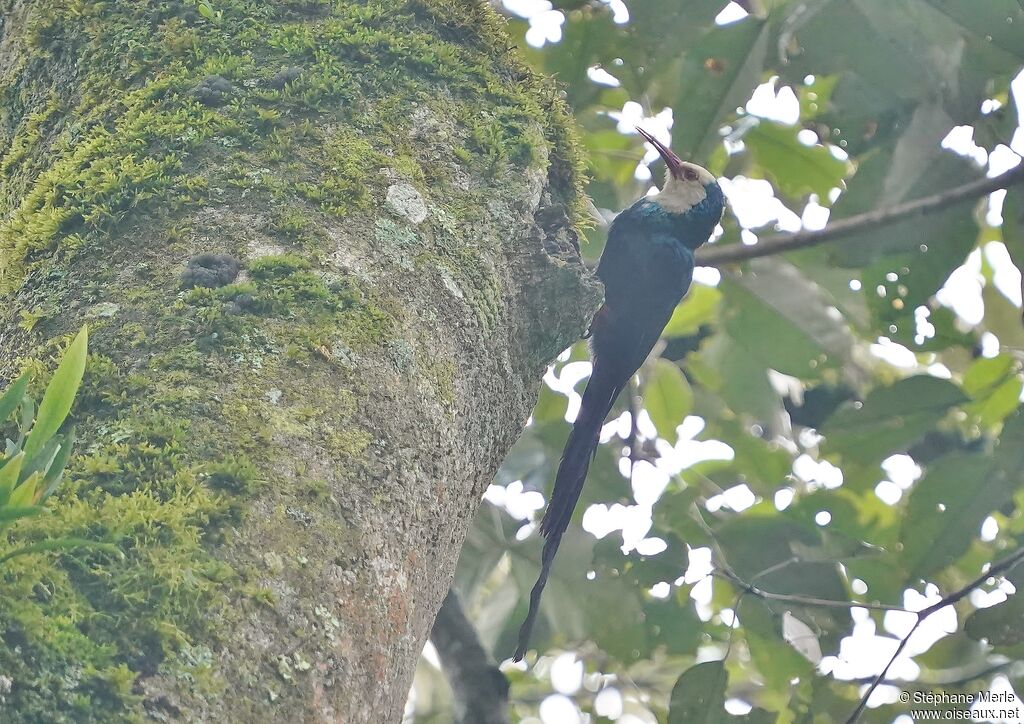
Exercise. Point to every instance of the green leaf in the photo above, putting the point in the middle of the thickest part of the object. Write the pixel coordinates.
(667, 398)
(769, 336)
(674, 512)
(725, 366)
(945, 511)
(916, 150)
(10, 513)
(612, 157)
(9, 475)
(206, 10)
(920, 393)
(673, 623)
(995, 385)
(763, 464)
(851, 37)
(718, 74)
(640, 571)
(486, 544)
(699, 307)
(51, 479)
(42, 459)
(1000, 625)
(947, 506)
(588, 40)
(793, 167)
(996, 21)
(59, 395)
(698, 696)
(665, 26)
(28, 415)
(12, 398)
(1002, 318)
(814, 98)
(946, 333)
(25, 493)
(614, 616)
(764, 631)
(998, 405)
(550, 407)
(1013, 224)
(783, 289)
(890, 418)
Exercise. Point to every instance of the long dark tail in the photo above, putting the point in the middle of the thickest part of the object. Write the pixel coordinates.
(602, 389)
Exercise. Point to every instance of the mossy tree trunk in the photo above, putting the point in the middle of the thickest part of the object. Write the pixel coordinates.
(324, 250)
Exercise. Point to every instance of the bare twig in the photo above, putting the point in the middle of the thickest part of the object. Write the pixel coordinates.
(777, 567)
(479, 689)
(878, 679)
(779, 243)
(804, 600)
(996, 569)
(929, 684)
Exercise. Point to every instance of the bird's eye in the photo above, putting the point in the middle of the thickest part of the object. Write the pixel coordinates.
(689, 174)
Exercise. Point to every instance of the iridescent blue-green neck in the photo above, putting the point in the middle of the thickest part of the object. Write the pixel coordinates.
(692, 227)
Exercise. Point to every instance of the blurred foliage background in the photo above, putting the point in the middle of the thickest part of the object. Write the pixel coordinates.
(840, 423)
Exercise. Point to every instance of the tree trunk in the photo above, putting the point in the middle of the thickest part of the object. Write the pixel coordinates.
(325, 251)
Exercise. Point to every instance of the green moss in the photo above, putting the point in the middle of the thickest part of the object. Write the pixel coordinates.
(234, 475)
(292, 223)
(278, 266)
(78, 627)
(443, 373)
(348, 442)
(31, 134)
(317, 311)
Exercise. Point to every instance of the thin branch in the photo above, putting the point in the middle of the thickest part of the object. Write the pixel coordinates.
(997, 569)
(479, 689)
(779, 243)
(792, 560)
(717, 554)
(804, 600)
(878, 679)
(733, 627)
(935, 683)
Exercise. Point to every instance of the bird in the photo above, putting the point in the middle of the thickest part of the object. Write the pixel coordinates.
(646, 268)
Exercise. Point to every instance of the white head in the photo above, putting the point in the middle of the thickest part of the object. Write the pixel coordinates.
(685, 183)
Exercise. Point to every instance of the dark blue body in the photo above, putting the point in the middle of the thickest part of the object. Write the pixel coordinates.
(646, 268)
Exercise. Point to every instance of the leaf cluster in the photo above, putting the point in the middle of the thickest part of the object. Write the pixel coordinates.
(33, 461)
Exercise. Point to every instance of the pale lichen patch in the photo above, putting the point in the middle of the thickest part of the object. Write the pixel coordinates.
(404, 200)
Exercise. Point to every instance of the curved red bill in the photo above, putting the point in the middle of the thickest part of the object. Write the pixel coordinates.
(673, 161)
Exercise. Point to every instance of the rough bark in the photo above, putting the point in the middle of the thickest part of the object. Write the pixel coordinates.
(289, 456)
